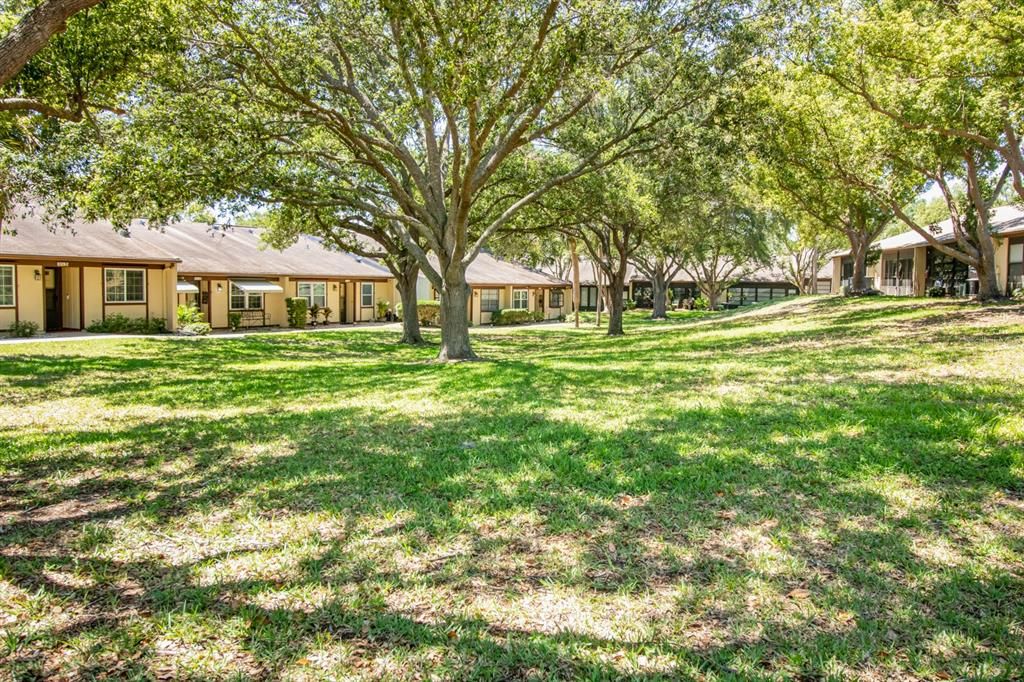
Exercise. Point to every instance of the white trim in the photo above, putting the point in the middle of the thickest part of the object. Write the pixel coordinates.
(14, 285)
(311, 283)
(526, 299)
(362, 294)
(245, 295)
(145, 285)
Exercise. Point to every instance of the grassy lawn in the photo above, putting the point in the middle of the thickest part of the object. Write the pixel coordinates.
(816, 488)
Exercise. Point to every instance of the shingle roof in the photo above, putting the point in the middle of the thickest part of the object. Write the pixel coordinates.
(79, 241)
(199, 248)
(1005, 220)
(239, 250)
(488, 270)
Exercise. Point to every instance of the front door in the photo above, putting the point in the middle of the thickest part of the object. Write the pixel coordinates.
(51, 295)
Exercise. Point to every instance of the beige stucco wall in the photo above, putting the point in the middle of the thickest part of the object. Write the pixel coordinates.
(93, 283)
(31, 306)
(505, 302)
(219, 303)
(837, 274)
(382, 291)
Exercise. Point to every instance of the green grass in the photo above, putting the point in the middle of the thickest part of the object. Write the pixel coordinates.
(818, 488)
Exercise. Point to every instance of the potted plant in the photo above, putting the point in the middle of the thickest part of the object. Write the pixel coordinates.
(314, 313)
(234, 321)
(326, 312)
(382, 310)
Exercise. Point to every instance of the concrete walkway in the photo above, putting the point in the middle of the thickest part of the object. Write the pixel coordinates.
(219, 333)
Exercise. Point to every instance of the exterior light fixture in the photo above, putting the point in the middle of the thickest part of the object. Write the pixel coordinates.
(37, 275)
(220, 287)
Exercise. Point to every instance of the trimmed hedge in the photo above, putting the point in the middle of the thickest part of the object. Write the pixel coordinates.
(515, 316)
(429, 312)
(122, 324)
(298, 312)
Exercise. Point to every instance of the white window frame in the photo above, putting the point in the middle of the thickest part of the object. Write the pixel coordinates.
(497, 300)
(310, 296)
(362, 294)
(246, 296)
(525, 299)
(561, 298)
(14, 285)
(106, 287)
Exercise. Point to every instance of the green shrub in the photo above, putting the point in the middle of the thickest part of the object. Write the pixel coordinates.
(700, 303)
(122, 324)
(298, 310)
(234, 320)
(630, 304)
(382, 309)
(188, 314)
(1018, 294)
(195, 329)
(24, 329)
(936, 292)
(326, 312)
(314, 313)
(515, 316)
(429, 312)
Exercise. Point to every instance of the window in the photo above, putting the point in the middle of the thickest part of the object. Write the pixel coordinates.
(489, 300)
(520, 299)
(125, 285)
(366, 294)
(245, 300)
(315, 293)
(1016, 270)
(6, 286)
(555, 298)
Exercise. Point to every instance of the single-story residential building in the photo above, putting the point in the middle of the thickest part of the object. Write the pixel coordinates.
(500, 284)
(763, 284)
(228, 268)
(908, 266)
(67, 277)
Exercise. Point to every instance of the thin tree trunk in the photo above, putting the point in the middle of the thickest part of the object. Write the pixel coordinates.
(615, 289)
(575, 280)
(406, 284)
(599, 303)
(455, 294)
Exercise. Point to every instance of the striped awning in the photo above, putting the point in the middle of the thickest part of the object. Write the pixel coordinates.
(257, 286)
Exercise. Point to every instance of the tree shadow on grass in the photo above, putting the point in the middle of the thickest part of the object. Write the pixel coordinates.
(678, 500)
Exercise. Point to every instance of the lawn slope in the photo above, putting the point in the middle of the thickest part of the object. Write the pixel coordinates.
(815, 488)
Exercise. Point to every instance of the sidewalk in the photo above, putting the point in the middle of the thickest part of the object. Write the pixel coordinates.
(218, 333)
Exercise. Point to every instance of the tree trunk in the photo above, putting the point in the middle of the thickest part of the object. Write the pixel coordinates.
(659, 290)
(35, 29)
(575, 281)
(988, 285)
(455, 294)
(406, 284)
(711, 292)
(615, 288)
(859, 253)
